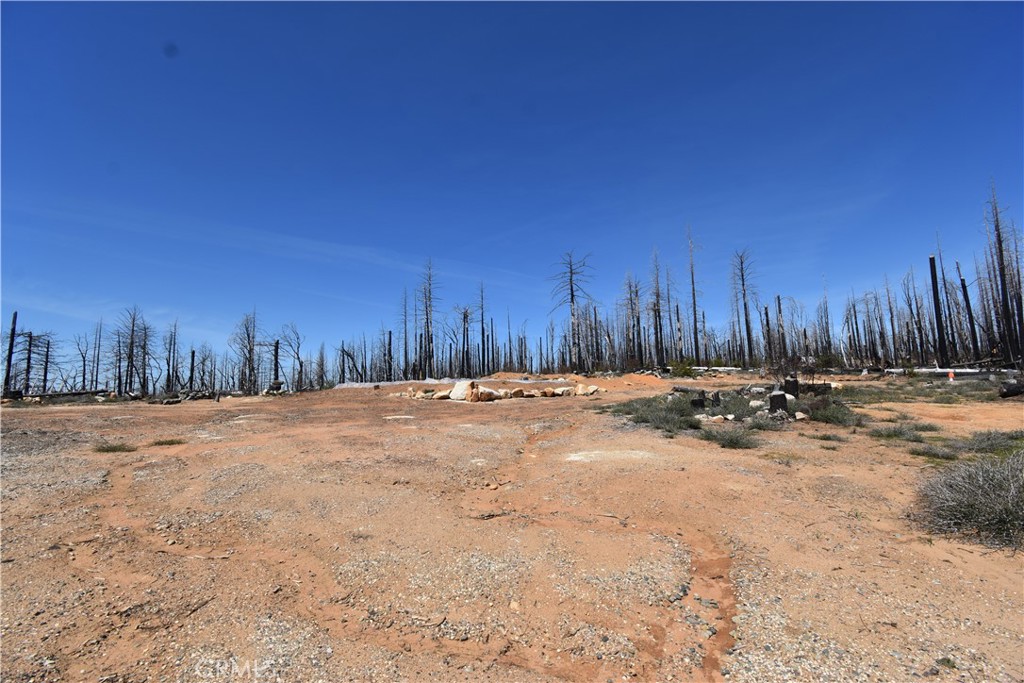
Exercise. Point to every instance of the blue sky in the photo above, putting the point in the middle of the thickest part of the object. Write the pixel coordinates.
(201, 160)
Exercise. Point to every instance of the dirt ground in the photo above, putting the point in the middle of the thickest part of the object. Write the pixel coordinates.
(355, 535)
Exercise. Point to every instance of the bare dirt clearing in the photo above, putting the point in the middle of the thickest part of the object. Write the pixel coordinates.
(352, 535)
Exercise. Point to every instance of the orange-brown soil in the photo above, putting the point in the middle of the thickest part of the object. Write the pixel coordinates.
(355, 535)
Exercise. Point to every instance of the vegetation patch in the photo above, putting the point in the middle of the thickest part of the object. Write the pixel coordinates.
(993, 442)
(832, 411)
(929, 450)
(826, 437)
(982, 498)
(168, 442)
(760, 423)
(671, 414)
(114, 448)
(919, 389)
(730, 437)
(901, 431)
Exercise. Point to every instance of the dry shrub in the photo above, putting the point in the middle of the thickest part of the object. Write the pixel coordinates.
(982, 498)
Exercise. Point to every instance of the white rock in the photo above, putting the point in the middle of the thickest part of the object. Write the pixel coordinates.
(757, 404)
(442, 395)
(461, 390)
(800, 416)
(717, 418)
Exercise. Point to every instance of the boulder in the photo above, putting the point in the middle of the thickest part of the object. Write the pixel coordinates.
(442, 395)
(530, 394)
(518, 393)
(547, 392)
(485, 394)
(563, 391)
(505, 393)
(801, 416)
(460, 392)
(757, 404)
(717, 418)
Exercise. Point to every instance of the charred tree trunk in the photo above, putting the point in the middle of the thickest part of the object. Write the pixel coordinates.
(10, 354)
(940, 332)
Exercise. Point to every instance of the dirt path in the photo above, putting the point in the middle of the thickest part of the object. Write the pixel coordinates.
(354, 535)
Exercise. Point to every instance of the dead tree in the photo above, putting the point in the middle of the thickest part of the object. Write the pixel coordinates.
(741, 272)
(569, 291)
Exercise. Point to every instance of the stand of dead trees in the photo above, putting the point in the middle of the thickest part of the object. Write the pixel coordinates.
(959, 315)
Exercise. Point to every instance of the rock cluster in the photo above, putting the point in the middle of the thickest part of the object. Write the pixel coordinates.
(471, 392)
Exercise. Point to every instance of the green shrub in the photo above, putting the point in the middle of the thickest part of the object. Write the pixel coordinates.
(671, 414)
(831, 411)
(681, 369)
(924, 427)
(114, 448)
(730, 437)
(983, 498)
(168, 442)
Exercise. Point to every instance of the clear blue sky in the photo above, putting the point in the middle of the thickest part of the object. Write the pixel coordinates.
(200, 160)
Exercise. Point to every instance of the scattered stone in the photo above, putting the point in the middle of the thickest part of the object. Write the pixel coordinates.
(757, 404)
(442, 395)
(801, 416)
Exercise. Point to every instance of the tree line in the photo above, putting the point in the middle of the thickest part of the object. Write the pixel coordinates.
(944, 319)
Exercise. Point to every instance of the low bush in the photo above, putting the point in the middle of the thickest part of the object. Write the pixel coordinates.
(681, 369)
(983, 498)
(730, 437)
(765, 424)
(932, 451)
(671, 414)
(991, 441)
(898, 431)
(831, 411)
(826, 437)
(114, 448)
(168, 442)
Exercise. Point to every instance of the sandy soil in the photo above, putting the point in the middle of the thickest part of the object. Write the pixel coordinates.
(355, 535)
